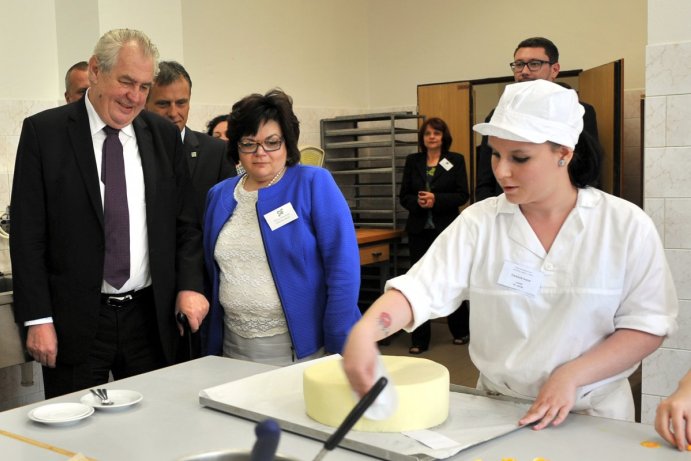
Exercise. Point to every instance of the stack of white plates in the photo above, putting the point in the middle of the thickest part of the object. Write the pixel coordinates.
(61, 413)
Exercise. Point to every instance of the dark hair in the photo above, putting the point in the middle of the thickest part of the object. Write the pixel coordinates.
(584, 167)
(254, 110)
(541, 42)
(215, 121)
(169, 72)
(81, 65)
(439, 125)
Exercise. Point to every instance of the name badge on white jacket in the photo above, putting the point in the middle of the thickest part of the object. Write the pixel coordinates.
(281, 216)
(521, 278)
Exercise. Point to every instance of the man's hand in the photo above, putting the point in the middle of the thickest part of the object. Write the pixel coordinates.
(42, 344)
(194, 305)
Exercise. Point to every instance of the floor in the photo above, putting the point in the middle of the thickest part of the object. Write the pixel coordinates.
(456, 358)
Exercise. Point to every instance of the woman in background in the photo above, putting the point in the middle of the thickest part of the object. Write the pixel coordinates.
(218, 128)
(279, 246)
(433, 187)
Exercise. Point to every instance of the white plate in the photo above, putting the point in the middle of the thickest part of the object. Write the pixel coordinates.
(120, 398)
(61, 413)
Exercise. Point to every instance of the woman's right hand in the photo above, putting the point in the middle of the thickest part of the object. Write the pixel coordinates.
(387, 315)
(360, 359)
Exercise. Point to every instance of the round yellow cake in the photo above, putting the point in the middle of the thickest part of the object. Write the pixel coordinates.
(422, 387)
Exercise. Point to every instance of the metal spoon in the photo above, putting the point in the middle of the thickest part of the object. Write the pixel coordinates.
(103, 395)
(352, 418)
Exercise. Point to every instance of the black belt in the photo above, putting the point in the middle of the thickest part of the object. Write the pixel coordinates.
(123, 299)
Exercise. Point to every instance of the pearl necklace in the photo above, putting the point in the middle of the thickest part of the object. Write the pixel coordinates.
(271, 183)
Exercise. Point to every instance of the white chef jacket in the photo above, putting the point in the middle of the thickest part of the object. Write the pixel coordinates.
(606, 270)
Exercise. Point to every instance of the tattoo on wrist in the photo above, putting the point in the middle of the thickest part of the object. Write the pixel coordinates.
(384, 322)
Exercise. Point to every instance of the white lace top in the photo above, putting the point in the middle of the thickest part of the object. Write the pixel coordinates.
(247, 290)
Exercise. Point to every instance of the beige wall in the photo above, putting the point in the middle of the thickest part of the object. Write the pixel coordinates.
(413, 42)
(315, 50)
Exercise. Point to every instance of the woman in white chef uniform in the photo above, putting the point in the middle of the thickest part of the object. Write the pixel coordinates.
(569, 285)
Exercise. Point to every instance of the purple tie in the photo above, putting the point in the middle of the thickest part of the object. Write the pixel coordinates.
(116, 268)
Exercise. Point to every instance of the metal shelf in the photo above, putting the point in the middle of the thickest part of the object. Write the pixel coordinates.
(371, 189)
(367, 143)
(362, 171)
(368, 131)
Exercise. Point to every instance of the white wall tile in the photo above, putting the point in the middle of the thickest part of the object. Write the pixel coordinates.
(680, 265)
(668, 69)
(649, 405)
(655, 207)
(663, 369)
(667, 172)
(655, 121)
(682, 338)
(678, 126)
(677, 223)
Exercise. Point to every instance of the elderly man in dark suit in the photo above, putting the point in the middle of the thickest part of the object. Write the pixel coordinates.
(206, 156)
(105, 242)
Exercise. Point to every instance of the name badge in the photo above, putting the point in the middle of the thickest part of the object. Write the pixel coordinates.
(281, 216)
(521, 278)
(446, 164)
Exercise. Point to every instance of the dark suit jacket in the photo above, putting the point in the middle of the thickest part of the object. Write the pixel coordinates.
(450, 190)
(209, 164)
(485, 183)
(57, 244)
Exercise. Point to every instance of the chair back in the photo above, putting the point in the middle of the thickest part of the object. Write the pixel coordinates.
(310, 155)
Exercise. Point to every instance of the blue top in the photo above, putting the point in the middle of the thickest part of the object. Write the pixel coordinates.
(314, 260)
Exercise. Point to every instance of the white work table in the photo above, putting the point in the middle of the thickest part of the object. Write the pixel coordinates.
(170, 423)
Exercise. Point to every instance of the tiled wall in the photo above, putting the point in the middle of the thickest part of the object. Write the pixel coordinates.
(667, 199)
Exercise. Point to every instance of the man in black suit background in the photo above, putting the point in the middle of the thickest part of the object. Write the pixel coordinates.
(207, 158)
(81, 322)
(535, 58)
(76, 81)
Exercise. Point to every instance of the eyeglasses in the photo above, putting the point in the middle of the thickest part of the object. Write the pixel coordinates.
(251, 147)
(533, 65)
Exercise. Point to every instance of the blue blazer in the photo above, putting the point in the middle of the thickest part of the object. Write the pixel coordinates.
(314, 259)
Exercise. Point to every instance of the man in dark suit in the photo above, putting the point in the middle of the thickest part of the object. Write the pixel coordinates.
(89, 305)
(534, 58)
(207, 158)
(76, 81)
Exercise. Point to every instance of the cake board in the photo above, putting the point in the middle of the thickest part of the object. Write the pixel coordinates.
(473, 417)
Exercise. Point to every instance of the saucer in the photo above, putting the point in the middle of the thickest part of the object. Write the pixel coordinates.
(120, 398)
(60, 413)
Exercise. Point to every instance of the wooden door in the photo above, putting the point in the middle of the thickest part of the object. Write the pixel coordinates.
(452, 102)
(602, 87)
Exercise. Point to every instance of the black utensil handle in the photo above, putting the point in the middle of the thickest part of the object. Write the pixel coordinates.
(355, 414)
(182, 319)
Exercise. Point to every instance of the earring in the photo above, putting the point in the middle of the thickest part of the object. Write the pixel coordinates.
(562, 162)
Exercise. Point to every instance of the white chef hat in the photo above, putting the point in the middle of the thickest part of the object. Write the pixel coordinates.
(536, 111)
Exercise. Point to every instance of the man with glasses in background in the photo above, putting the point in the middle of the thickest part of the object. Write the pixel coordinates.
(535, 58)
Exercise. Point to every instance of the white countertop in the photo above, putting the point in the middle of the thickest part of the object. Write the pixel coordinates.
(170, 423)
